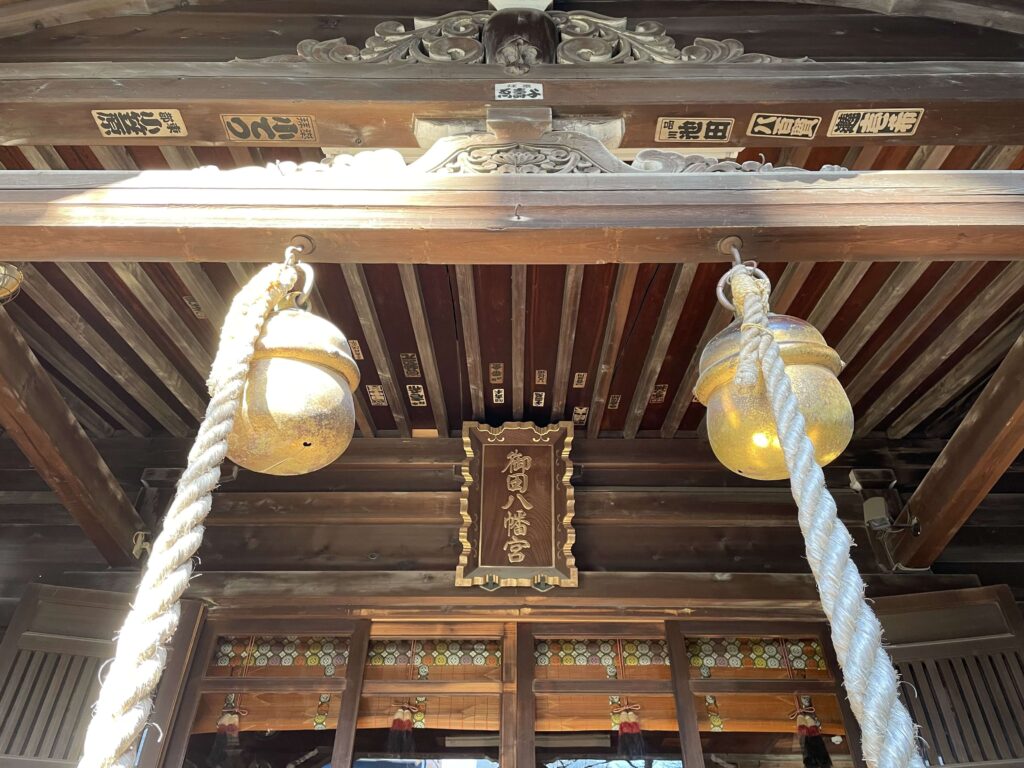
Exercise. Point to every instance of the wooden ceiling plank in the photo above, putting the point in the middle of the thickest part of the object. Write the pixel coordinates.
(988, 440)
(896, 216)
(46, 347)
(425, 346)
(179, 158)
(671, 309)
(622, 296)
(363, 418)
(788, 287)
(566, 338)
(43, 157)
(113, 157)
(202, 289)
(838, 291)
(39, 421)
(92, 342)
(140, 283)
(94, 424)
(929, 158)
(719, 318)
(879, 308)
(362, 300)
(902, 339)
(518, 339)
(987, 302)
(975, 364)
(471, 338)
(866, 158)
(997, 158)
(241, 272)
(98, 292)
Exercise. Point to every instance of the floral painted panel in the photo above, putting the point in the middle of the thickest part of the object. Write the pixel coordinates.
(601, 659)
(434, 659)
(280, 656)
(755, 657)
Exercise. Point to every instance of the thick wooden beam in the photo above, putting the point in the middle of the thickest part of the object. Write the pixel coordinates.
(37, 419)
(963, 102)
(636, 218)
(644, 594)
(985, 444)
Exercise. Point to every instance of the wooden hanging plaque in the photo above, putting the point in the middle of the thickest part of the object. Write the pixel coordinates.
(517, 507)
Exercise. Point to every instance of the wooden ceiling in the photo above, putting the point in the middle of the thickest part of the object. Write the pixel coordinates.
(130, 343)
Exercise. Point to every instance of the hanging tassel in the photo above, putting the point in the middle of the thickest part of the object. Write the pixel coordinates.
(400, 741)
(226, 750)
(812, 743)
(631, 738)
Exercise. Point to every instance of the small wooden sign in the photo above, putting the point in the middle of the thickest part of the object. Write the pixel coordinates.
(146, 123)
(517, 507)
(270, 129)
(783, 126)
(694, 129)
(875, 122)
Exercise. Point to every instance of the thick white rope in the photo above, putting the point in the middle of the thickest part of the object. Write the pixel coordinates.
(126, 697)
(888, 733)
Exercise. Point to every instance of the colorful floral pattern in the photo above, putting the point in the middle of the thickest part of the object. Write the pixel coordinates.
(582, 653)
(328, 653)
(435, 653)
(715, 720)
(320, 721)
(708, 653)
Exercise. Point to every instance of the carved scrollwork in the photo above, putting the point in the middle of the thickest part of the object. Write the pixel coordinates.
(452, 37)
(518, 159)
(583, 38)
(590, 38)
(704, 50)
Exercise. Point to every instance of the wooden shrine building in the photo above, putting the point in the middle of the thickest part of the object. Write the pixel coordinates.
(517, 214)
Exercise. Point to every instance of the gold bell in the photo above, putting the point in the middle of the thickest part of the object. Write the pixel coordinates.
(297, 413)
(741, 426)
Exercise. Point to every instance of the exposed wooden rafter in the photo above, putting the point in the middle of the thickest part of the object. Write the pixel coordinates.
(988, 440)
(45, 429)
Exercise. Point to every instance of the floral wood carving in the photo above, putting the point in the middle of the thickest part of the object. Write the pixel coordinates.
(583, 39)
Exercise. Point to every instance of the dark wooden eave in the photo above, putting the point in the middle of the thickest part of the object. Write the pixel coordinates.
(593, 219)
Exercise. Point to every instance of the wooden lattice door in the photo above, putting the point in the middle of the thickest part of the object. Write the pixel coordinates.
(50, 670)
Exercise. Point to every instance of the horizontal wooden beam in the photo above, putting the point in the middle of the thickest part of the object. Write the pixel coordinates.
(628, 594)
(38, 420)
(560, 219)
(361, 105)
(988, 440)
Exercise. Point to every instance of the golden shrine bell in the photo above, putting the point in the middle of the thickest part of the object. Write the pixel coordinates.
(297, 413)
(741, 426)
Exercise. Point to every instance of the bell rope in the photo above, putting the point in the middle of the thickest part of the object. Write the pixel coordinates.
(125, 701)
(889, 736)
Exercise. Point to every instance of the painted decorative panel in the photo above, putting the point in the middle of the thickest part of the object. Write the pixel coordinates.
(601, 659)
(755, 657)
(434, 659)
(280, 656)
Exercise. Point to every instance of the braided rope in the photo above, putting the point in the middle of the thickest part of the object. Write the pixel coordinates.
(126, 697)
(889, 735)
